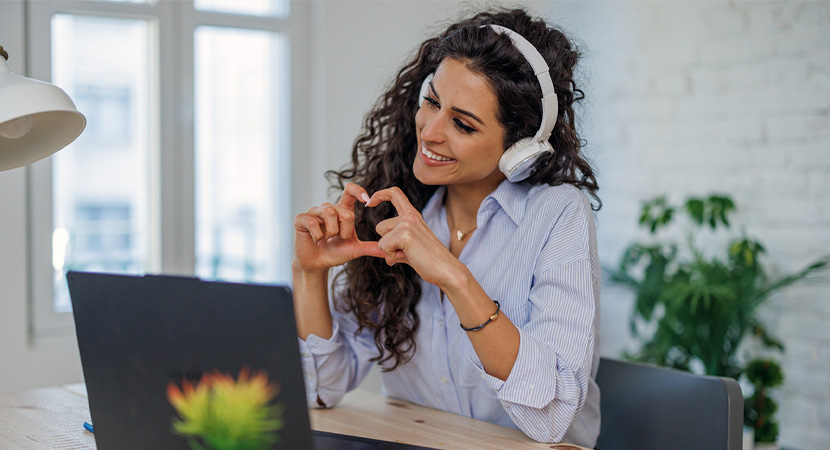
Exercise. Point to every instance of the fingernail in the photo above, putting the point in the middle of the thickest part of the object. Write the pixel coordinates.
(364, 197)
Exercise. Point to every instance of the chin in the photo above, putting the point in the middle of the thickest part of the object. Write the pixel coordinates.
(419, 171)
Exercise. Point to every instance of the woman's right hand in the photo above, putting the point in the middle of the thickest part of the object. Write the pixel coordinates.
(324, 237)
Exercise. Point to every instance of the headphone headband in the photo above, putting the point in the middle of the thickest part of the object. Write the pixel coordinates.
(550, 105)
(517, 161)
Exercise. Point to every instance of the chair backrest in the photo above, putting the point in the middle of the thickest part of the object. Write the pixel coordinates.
(646, 407)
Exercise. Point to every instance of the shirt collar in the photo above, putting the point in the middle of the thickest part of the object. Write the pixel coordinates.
(435, 203)
(511, 197)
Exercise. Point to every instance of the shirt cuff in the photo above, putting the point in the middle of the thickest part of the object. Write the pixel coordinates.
(315, 350)
(318, 346)
(535, 379)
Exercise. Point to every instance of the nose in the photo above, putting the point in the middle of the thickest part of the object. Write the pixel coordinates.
(433, 130)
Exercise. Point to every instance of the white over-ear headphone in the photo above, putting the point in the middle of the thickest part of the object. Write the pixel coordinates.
(517, 160)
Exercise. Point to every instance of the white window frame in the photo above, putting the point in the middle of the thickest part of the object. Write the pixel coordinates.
(172, 182)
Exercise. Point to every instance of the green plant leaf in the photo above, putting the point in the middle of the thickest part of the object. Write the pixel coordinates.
(768, 340)
(694, 207)
(788, 280)
(656, 213)
(718, 208)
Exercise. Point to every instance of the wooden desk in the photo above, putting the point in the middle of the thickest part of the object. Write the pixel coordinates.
(52, 418)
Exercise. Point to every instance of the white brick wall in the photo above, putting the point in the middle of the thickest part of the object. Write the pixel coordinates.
(688, 98)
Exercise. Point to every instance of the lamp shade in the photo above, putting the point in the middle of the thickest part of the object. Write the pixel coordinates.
(36, 118)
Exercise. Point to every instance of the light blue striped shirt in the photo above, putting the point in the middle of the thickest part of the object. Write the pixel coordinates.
(535, 252)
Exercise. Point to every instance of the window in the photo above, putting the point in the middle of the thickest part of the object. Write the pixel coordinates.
(114, 103)
(183, 166)
(103, 63)
(253, 7)
(237, 124)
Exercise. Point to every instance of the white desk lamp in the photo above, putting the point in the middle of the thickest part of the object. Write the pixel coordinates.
(36, 118)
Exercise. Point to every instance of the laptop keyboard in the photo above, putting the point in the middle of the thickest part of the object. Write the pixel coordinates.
(332, 441)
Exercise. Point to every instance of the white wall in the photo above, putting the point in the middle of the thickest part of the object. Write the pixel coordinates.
(688, 98)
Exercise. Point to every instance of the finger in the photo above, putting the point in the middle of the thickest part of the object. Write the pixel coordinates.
(394, 195)
(332, 221)
(346, 222)
(389, 247)
(385, 226)
(328, 214)
(370, 248)
(398, 257)
(352, 193)
(309, 224)
(396, 243)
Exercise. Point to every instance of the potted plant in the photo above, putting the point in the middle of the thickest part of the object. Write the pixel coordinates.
(694, 309)
(760, 408)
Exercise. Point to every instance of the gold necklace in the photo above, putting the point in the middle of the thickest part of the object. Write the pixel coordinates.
(460, 235)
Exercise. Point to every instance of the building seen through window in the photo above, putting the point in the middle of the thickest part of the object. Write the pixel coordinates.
(100, 186)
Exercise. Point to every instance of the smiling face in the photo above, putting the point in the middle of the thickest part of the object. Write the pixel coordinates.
(459, 138)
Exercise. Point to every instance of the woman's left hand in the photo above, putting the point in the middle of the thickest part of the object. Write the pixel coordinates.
(408, 239)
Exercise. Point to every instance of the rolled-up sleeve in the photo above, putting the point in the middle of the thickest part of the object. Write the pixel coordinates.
(336, 365)
(548, 384)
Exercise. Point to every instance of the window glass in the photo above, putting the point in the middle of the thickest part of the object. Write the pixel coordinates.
(128, 1)
(275, 8)
(240, 192)
(100, 182)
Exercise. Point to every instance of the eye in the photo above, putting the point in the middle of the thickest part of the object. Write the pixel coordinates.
(459, 125)
(463, 127)
(432, 102)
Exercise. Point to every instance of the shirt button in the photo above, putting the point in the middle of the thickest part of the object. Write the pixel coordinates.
(441, 323)
(443, 379)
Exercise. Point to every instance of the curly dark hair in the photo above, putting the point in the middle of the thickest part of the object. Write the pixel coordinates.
(384, 298)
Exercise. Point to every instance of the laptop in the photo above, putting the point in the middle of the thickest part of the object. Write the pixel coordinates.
(137, 334)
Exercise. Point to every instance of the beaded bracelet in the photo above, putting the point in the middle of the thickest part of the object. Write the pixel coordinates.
(492, 318)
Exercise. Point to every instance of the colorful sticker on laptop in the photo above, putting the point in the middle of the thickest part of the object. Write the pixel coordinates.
(221, 413)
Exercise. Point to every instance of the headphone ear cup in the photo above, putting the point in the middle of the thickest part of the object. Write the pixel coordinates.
(517, 161)
(424, 89)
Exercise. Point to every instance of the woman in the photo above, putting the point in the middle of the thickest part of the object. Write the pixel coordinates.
(431, 233)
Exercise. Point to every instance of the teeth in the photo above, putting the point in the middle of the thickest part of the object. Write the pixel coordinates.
(431, 155)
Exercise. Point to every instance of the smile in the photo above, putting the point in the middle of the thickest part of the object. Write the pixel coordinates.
(434, 156)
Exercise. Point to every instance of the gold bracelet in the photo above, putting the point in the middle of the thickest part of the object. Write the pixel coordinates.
(492, 318)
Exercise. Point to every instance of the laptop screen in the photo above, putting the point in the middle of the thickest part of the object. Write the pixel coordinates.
(138, 334)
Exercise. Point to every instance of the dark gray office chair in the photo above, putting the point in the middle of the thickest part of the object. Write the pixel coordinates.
(646, 407)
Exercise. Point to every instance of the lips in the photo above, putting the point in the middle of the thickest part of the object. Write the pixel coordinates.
(433, 159)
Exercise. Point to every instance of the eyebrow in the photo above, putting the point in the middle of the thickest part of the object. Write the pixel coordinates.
(458, 110)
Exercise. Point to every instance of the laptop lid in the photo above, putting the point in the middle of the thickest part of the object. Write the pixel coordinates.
(136, 334)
